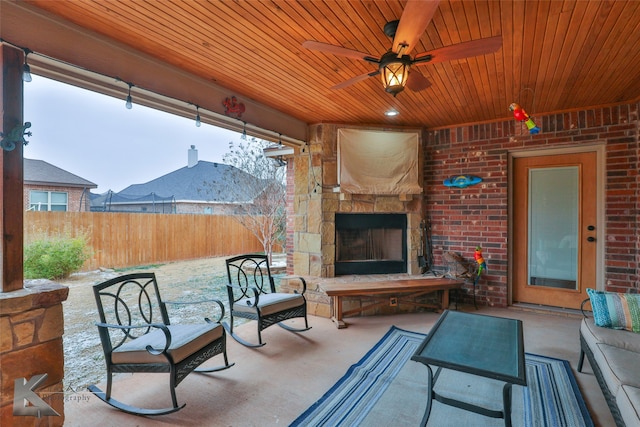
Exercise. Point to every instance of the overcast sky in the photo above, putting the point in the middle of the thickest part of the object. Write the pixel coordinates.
(95, 137)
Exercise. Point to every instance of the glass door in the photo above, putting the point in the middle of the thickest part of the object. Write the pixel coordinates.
(554, 229)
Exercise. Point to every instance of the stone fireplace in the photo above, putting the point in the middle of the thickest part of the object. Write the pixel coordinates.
(317, 207)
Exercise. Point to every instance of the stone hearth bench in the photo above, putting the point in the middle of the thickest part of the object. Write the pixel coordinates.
(386, 292)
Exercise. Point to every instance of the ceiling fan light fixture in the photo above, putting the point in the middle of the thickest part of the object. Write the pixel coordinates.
(394, 72)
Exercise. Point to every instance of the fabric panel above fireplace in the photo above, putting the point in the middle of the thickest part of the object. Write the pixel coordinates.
(378, 162)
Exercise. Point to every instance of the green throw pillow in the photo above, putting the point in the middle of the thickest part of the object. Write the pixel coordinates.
(615, 310)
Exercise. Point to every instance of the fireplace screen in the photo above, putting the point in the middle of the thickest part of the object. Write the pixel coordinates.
(375, 244)
(371, 244)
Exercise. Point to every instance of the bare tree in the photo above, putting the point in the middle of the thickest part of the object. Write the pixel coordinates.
(265, 179)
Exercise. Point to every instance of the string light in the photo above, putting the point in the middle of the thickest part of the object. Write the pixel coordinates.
(198, 122)
(26, 70)
(129, 103)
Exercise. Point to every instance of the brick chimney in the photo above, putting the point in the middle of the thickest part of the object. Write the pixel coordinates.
(193, 157)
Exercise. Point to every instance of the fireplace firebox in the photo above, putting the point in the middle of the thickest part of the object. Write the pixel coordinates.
(370, 243)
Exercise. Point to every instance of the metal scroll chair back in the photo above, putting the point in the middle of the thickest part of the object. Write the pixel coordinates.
(252, 295)
(251, 272)
(132, 301)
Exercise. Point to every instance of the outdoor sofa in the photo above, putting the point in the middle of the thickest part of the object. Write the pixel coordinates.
(614, 354)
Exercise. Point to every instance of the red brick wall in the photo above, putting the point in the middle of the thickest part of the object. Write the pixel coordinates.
(478, 215)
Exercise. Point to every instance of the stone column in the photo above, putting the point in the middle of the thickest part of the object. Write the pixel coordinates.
(31, 328)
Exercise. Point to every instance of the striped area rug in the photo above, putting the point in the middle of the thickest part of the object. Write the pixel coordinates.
(387, 389)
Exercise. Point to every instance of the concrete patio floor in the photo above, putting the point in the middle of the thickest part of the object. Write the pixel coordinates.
(272, 385)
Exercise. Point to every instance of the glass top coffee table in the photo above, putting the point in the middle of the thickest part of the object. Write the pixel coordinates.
(486, 346)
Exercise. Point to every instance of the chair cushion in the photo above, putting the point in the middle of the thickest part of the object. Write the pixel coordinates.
(628, 401)
(615, 337)
(616, 310)
(185, 340)
(270, 303)
(617, 366)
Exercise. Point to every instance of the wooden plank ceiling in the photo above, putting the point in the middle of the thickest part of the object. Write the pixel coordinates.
(556, 55)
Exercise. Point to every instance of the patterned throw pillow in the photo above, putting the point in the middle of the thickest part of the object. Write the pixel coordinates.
(615, 310)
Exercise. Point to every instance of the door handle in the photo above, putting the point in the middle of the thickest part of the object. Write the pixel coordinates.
(591, 239)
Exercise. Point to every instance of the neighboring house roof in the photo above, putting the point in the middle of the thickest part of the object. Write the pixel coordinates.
(205, 181)
(38, 172)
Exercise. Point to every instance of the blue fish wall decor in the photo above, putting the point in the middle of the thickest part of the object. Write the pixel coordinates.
(462, 181)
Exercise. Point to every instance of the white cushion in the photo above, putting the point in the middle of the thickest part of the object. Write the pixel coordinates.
(615, 337)
(270, 303)
(628, 401)
(185, 340)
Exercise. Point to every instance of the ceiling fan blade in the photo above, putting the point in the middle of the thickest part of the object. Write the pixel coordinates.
(460, 50)
(417, 81)
(355, 79)
(338, 50)
(416, 16)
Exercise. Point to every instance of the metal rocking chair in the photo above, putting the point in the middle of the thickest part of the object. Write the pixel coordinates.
(137, 336)
(252, 295)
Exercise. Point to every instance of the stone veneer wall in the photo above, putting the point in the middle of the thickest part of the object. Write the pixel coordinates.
(31, 328)
(314, 204)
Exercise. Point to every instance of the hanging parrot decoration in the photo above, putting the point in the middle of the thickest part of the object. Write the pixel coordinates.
(482, 265)
(520, 115)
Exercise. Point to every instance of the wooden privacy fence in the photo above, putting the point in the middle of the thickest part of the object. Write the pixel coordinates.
(130, 239)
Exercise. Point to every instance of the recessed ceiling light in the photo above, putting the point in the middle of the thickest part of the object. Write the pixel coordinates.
(392, 112)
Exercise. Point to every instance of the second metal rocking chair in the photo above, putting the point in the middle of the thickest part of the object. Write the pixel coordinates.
(252, 295)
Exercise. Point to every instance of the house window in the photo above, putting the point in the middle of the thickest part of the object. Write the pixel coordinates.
(48, 201)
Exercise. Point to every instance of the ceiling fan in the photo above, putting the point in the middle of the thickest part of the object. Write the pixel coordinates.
(394, 65)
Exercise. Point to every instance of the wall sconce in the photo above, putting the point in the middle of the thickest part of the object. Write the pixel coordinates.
(26, 70)
(198, 122)
(394, 71)
(129, 103)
